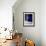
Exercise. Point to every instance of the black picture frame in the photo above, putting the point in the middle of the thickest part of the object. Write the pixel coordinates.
(28, 19)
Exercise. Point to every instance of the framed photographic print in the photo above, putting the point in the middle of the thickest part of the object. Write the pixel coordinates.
(29, 19)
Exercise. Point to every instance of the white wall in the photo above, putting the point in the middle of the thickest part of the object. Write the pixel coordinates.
(6, 13)
(43, 22)
(32, 33)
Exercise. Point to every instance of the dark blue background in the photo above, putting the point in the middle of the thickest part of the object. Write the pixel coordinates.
(28, 17)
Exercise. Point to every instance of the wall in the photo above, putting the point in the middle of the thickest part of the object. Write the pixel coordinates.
(32, 33)
(6, 13)
(43, 22)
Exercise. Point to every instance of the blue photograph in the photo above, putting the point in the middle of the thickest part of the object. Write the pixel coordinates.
(29, 19)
